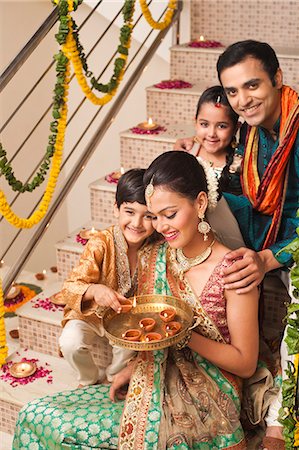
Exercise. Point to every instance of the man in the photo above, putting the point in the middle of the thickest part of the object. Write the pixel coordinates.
(250, 74)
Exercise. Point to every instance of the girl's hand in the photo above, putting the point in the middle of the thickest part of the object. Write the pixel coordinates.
(185, 144)
(104, 296)
(120, 380)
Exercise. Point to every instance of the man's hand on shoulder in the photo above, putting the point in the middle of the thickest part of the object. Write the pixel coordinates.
(248, 270)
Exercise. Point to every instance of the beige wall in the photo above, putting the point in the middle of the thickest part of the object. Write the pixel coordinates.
(25, 17)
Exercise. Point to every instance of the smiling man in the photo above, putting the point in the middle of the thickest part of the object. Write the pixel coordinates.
(250, 73)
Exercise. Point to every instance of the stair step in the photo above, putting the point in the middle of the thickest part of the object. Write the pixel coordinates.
(68, 250)
(40, 328)
(174, 105)
(12, 399)
(102, 195)
(139, 150)
(191, 64)
(233, 21)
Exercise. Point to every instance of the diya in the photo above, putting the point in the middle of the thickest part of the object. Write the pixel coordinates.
(126, 305)
(149, 125)
(149, 337)
(147, 324)
(168, 314)
(132, 335)
(22, 369)
(88, 233)
(57, 299)
(172, 328)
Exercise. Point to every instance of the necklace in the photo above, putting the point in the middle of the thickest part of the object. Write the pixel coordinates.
(186, 263)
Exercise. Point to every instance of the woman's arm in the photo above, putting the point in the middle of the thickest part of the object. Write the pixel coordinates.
(240, 356)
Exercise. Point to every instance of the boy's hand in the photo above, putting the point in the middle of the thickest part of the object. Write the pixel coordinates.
(185, 144)
(105, 296)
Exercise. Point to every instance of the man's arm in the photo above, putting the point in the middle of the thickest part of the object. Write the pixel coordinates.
(249, 269)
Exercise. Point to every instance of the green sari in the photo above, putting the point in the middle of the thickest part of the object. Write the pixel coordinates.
(176, 399)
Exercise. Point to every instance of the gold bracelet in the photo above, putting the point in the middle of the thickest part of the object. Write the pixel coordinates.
(185, 341)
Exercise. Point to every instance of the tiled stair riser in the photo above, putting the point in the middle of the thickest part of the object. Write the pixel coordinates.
(141, 152)
(102, 206)
(8, 416)
(201, 65)
(66, 261)
(43, 337)
(164, 107)
(272, 21)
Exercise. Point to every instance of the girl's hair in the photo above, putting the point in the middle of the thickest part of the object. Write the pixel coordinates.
(178, 171)
(130, 187)
(216, 95)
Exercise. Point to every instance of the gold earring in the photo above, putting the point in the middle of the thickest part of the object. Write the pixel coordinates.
(203, 226)
(149, 191)
(234, 143)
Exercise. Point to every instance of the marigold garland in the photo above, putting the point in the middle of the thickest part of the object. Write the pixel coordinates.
(3, 346)
(74, 52)
(171, 7)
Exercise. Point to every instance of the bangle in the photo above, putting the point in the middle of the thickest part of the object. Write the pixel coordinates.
(185, 341)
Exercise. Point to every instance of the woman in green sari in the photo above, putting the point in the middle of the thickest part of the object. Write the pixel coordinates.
(184, 397)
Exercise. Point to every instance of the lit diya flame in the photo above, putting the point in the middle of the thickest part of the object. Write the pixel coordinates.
(22, 369)
(134, 302)
(149, 125)
(122, 170)
(201, 38)
(87, 234)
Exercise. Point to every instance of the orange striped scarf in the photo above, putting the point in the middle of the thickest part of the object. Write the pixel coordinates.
(267, 195)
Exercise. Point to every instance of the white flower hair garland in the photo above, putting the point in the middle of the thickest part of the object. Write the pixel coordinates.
(212, 183)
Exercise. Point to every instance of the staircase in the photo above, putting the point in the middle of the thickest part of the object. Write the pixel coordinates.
(226, 21)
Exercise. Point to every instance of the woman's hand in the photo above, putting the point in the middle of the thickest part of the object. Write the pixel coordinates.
(120, 380)
(104, 296)
(249, 270)
(185, 144)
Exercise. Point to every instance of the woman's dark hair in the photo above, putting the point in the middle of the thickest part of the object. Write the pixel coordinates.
(130, 187)
(239, 51)
(179, 171)
(216, 95)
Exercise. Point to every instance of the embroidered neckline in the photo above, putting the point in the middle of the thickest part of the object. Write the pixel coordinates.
(126, 285)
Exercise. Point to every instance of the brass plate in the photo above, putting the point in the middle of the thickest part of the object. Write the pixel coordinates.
(147, 306)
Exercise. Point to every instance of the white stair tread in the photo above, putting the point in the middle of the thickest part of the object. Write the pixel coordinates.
(64, 378)
(30, 311)
(69, 243)
(29, 277)
(196, 89)
(281, 52)
(102, 185)
(172, 133)
(6, 441)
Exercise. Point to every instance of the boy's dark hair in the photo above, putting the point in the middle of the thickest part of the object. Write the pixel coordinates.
(239, 51)
(130, 188)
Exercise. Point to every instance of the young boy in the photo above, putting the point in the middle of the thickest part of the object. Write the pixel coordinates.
(105, 275)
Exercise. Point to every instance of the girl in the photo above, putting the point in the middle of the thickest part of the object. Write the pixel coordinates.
(215, 141)
(105, 274)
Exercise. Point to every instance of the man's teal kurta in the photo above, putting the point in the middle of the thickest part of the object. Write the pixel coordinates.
(255, 225)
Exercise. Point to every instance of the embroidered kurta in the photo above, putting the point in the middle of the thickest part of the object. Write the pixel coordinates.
(105, 261)
(254, 225)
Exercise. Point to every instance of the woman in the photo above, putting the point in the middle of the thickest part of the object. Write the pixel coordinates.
(183, 397)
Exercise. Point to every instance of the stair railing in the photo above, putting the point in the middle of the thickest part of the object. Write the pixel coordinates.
(95, 140)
